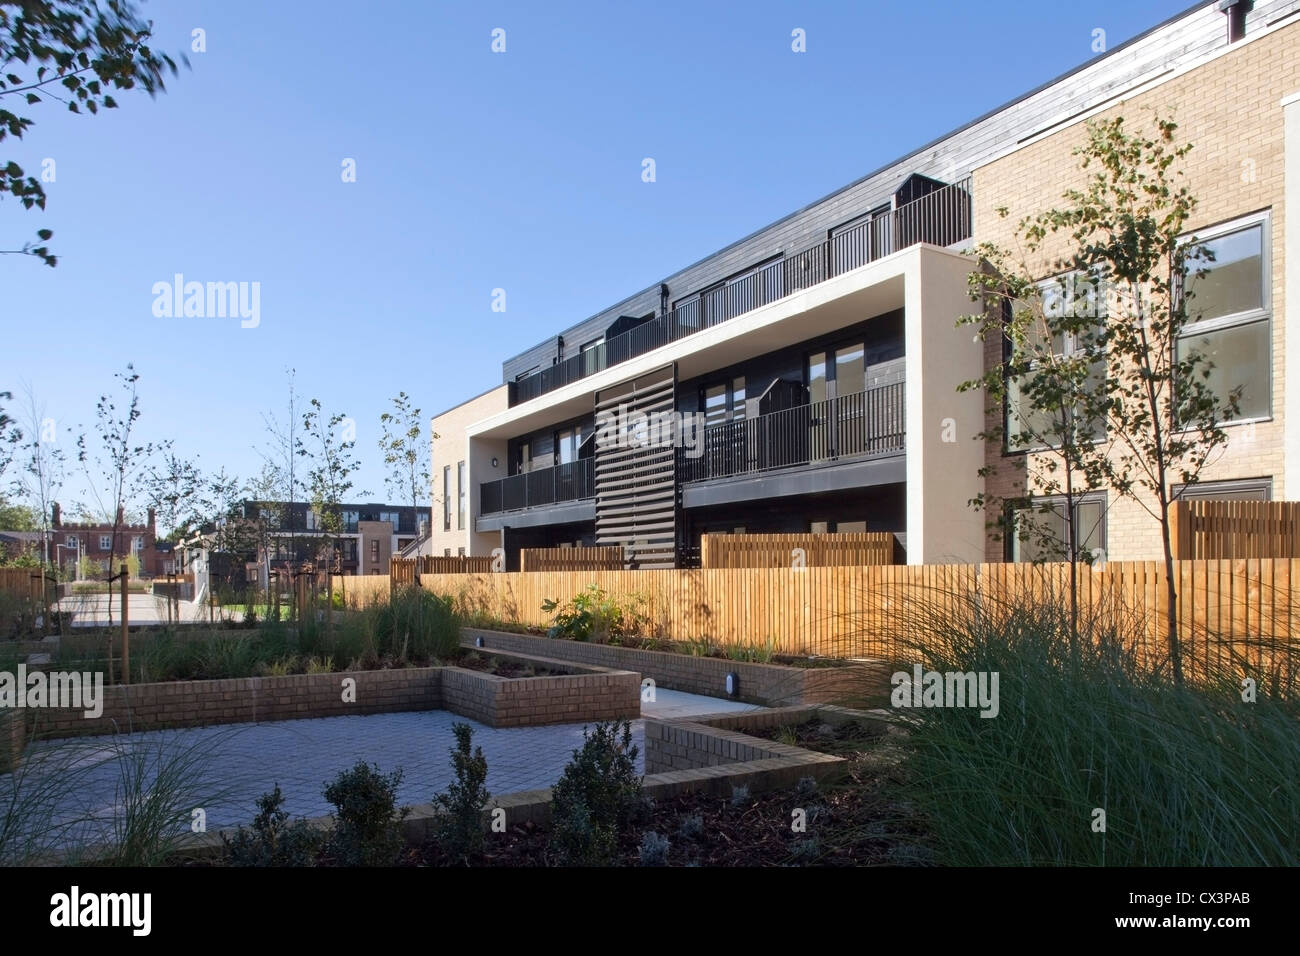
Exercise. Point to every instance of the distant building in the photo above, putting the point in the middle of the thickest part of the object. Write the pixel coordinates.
(285, 536)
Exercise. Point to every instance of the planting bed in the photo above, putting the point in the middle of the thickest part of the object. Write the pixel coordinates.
(774, 685)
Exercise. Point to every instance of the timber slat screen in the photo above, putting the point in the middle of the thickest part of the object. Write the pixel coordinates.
(404, 570)
(1246, 605)
(1204, 530)
(794, 550)
(636, 478)
(571, 559)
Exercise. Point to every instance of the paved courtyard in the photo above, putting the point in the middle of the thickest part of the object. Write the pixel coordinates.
(242, 761)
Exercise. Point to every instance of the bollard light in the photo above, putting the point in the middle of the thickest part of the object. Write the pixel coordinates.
(478, 641)
(732, 684)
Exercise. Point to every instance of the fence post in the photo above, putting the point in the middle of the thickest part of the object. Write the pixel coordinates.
(126, 638)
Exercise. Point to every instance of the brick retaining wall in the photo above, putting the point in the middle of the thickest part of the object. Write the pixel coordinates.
(768, 684)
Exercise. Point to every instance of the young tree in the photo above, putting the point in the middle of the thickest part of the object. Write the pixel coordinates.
(72, 52)
(282, 484)
(1162, 417)
(114, 471)
(177, 492)
(1050, 365)
(42, 466)
(330, 449)
(405, 452)
(10, 434)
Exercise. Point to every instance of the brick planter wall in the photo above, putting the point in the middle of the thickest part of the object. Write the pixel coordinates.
(772, 685)
(588, 694)
(527, 701)
(246, 700)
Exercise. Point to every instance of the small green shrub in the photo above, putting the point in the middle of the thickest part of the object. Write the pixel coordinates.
(368, 823)
(273, 839)
(598, 795)
(592, 615)
(460, 831)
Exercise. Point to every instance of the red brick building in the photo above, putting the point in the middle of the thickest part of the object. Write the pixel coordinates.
(71, 541)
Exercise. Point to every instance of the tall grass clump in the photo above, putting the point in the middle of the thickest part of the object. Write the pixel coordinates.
(1087, 723)
(417, 625)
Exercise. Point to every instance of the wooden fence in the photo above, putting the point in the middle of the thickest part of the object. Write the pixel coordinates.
(1235, 529)
(404, 570)
(25, 583)
(571, 559)
(1246, 606)
(796, 550)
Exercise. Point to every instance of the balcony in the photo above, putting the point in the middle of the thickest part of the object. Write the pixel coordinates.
(851, 426)
(942, 217)
(573, 481)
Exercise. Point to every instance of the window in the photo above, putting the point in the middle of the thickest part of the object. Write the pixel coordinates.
(566, 445)
(446, 498)
(723, 402)
(461, 492)
(137, 543)
(105, 542)
(446, 552)
(1072, 296)
(350, 519)
(460, 552)
(524, 461)
(1040, 535)
(73, 542)
(391, 516)
(374, 550)
(313, 520)
(532, 371)
(1229, 320)
(1245, 489)
(592, 354)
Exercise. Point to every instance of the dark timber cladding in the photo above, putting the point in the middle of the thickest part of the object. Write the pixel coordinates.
(636, 484)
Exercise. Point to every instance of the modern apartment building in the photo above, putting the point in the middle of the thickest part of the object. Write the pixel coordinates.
(364, 541)
(804, 378)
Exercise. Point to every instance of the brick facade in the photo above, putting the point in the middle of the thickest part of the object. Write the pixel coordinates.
(1230, 109)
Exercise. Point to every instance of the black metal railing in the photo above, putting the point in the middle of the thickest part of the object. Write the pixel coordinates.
(572, 481)
(865, 423)
(942, 218)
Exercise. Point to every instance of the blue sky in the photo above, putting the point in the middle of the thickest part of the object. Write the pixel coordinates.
(474, 171)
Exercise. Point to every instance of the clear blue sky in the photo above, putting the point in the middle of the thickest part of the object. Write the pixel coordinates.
(474, 171)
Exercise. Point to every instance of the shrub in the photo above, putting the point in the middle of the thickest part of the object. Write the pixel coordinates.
(460, 832)
(273, 840)
(368, 824)
(593, 615)
(654, 849)
(691, 828)
(598, 794)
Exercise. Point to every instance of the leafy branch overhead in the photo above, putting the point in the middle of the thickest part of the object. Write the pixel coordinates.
(74, 52)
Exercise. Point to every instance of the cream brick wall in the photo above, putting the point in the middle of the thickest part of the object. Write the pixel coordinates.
(453, 446)
(1230, 110)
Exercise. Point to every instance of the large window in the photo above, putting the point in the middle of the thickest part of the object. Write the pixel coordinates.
(461, 493)
(1229, 315)
(1067, 314)
(566, 445)
(446, 497)
(1040, 531)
